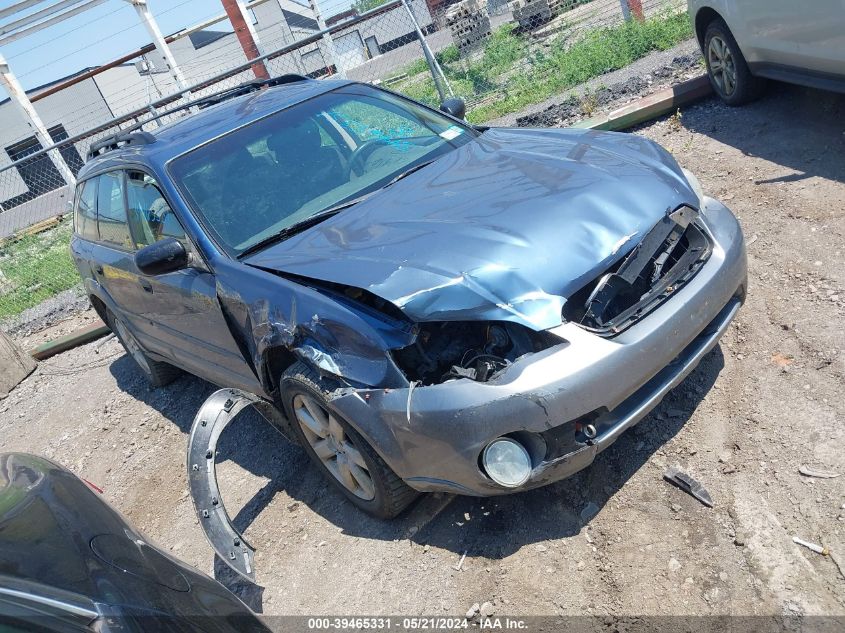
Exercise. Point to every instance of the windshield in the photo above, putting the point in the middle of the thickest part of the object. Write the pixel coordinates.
(261, 179)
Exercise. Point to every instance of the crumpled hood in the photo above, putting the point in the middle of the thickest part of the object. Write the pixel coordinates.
(503, 228)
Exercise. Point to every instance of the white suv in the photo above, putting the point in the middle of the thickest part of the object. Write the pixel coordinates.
(745, 41)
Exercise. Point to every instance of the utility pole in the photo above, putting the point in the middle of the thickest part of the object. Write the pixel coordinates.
(19, 97)
(158, 39)
(247, 36)
(327, 39)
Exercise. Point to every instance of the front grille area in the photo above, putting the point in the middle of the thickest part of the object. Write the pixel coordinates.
(665, 260)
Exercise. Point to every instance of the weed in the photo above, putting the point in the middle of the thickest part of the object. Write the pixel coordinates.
(675, 120)
(589, 103)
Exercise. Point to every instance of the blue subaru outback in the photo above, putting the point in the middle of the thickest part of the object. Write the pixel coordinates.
(427, 305)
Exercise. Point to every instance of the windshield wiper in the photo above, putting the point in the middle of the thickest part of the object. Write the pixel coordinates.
(298, 227)
(408, 172)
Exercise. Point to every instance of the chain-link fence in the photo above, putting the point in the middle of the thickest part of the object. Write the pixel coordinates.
(499, 56)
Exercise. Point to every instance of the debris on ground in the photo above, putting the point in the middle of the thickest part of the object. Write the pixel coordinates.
(818, 549)
(461, 562)
(689, 485)
(473, 610)
(590, 510)
(809, 471)
(102, 342)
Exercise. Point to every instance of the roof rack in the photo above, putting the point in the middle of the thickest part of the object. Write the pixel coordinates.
(135, 135)
(120, 140)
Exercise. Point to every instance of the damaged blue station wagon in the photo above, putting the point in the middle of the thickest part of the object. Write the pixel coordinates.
(427, 305)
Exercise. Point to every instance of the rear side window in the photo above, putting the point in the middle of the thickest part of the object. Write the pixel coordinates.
(111, 211)
(85, 217)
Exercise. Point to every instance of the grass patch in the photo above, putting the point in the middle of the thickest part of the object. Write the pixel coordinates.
(35, 268)
(520, 77)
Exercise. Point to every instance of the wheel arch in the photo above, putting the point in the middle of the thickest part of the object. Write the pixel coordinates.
(702, 20)
(274, 362)
(100, 308)
(371, 428)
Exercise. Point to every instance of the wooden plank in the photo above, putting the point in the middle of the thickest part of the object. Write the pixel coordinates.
(34, 229)
(74, 339)
(15, 365)
(651, 106)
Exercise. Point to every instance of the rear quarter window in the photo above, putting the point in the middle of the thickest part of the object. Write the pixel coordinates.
(85, 213)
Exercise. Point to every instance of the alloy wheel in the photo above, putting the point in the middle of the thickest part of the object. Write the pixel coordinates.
(333, 446)
(722, 65)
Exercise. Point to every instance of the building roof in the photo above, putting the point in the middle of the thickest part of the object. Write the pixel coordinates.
(52, 83)
(206, 37)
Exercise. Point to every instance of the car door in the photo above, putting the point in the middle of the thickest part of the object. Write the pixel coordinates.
(179, 310)
(85, 228)
(112, 254)
(805, 35)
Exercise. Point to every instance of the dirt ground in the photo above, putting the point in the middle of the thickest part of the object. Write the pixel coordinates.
(613, 540)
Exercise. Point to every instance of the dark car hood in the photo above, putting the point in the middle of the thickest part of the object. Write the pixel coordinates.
(59, 539)
(503, 228)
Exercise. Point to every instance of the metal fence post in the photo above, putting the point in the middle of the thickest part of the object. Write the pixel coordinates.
(20, 99)
(632, 9)
(158, 39)
(327, 38)
(440, 81)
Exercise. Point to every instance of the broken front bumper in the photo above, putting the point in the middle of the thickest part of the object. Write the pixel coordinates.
(433, 436)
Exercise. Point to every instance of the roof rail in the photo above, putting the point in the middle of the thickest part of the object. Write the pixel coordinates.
(121, 139)
(134, 135)
(246, 88)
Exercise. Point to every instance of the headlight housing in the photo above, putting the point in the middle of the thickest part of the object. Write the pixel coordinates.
(478, 350)
(507, 462)
(696, 186)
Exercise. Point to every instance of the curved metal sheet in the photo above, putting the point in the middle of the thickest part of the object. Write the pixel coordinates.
(211, 419)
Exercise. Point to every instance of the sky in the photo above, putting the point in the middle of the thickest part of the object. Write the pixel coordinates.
(97, 36)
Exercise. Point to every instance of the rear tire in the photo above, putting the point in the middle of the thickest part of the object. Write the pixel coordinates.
(726, 67)
(345, 458)
(157, 373)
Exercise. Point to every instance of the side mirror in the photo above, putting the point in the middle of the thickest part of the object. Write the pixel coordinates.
(162, 257)
(454, 106)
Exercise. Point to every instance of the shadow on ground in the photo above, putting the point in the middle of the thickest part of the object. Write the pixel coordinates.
(813, 118)
(497, 527)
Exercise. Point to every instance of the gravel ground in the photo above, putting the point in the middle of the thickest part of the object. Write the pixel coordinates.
(613, 540)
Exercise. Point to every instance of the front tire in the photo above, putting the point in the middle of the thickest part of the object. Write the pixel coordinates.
(157, 373)
(340, 452)
(726, 67)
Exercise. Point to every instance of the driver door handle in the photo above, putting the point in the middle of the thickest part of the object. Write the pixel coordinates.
(146, 285)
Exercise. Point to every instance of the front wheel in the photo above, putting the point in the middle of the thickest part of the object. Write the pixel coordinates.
(345, 457)
(727, 68)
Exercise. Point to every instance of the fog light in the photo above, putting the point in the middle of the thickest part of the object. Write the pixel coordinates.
(507, 462)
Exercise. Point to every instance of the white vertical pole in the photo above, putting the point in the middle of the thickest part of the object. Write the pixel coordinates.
(250, 26)
(327, 38)
(19, 98)
(158, 39)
